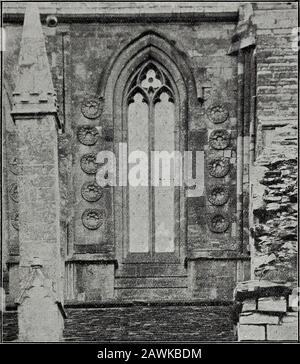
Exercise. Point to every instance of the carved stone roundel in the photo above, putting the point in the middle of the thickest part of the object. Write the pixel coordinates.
(218, 194)
(218, 114)
(218, 167)
(218, 223)
(13, 192)
(91, 191)
(87, 135)
(15, 220)
(92, 219)
(92, 107)
(88, 163)
(14, 165)
(219, 139)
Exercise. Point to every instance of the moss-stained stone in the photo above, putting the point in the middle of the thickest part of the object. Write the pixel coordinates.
(78, 56)
(275, 209)
(35, 117)
(141, 323)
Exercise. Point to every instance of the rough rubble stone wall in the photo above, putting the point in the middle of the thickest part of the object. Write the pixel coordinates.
(266, 311)
(143, 323)
(274, 175)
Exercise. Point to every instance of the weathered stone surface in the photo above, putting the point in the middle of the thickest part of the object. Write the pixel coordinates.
(137, 322)
(92, 107)
(34, 90)
(214, 279)
(275, 235)
(284, 332)
(90, 277)
(258, 319)
(255, 289)
(251, 333)
(35, 116)
(249, 305)
(124, 8)
(290, 318)
(275, 189)
(14, 282)
(271, 311)
(39, 316)
(293, 301)
(87, 135)
(10, 326)
(272, 304)
(72, 50)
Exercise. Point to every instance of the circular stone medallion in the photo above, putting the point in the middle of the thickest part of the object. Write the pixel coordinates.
(218, 167)
(218, 223)
(92, 107)
(14, 165)
(15, 220)
(217, 114)
(218, 194)
(88, 163)
(92, 219)
(219, 139)
(91, 191)
(13, 192)
(87, 135)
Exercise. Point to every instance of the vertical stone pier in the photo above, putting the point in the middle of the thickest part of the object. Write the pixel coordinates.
(40, 312)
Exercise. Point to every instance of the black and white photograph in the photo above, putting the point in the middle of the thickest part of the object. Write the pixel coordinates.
(149, 174)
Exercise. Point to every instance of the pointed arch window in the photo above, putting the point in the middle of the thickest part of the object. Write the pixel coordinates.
(152, 125)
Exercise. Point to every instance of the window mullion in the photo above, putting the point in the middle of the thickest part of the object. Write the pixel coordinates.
(151, 187)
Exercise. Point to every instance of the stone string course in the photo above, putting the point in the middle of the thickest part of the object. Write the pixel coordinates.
(122, 7)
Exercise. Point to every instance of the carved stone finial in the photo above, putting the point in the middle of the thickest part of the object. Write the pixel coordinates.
(34, 92)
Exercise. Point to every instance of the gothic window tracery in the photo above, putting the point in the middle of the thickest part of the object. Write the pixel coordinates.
(151, 125)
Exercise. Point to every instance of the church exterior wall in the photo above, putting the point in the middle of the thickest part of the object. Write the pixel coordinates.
(261, 240)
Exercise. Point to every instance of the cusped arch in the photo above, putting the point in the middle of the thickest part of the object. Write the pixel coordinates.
(115, 89)
(149, 45)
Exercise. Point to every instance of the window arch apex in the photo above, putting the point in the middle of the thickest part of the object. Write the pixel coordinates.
(150, 80)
